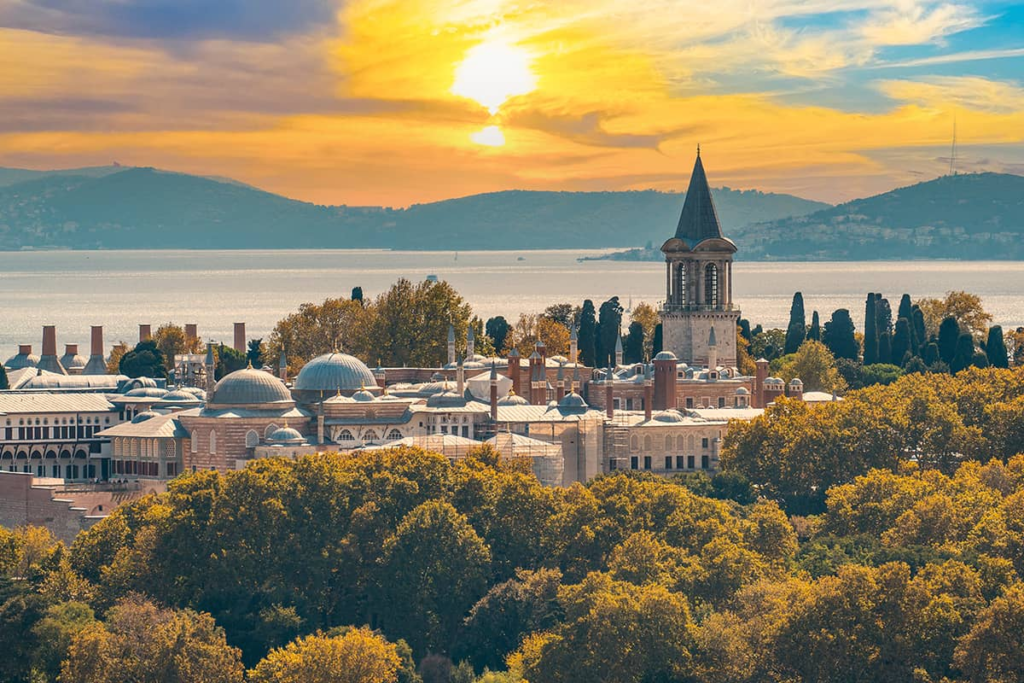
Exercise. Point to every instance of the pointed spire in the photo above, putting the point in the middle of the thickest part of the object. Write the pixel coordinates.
(711, 337)
(451, 333)
(699, 220)
(494, 371)
(573, 334)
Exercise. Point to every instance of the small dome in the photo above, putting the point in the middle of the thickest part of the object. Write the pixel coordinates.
(561, 360)
(73, 360)
(512, 400)
(669, 416)
(23, 359)
(195, 391)
(144, 415)
(666, 355)
(147, 392)
(796, 382)
(431, 388)
(286, 435)
(249, 386)
(179, 396)
(572, 400)
(140, 382)
(363, 396)
(334, 372)
(743, 391)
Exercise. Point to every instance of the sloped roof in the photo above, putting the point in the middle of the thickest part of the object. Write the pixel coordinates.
(162, 426)
(699, 220)
(13, 403)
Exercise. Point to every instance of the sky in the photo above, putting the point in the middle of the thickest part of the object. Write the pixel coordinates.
(396, 102)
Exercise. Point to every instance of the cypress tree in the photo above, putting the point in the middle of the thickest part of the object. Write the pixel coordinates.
(885, 348)
(838, 335)
(964, 355)
(745, 329)
(656, 341)
(609, 322)
(815, 331)
(4, 382)
(906, 309)
(920, 333)
(357, 294)
(949, 333)
(995, 348)
(633, 348)
(587, 335)
(901, 341)
(931, 353)
(883, 316)
(870, 332)
(980, 360)
(797, 330)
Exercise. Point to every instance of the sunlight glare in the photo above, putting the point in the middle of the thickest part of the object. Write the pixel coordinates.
(492, 72)
(490, 136)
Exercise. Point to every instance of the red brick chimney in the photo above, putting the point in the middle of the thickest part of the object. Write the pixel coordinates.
(49, 340)
(145, 332)
(760, 375)
(191, 331)
(24, 349)
(96, 347)
(240, 337)
(71, 349)
(648, 397)
(665, 380)
(609, 395)
(513, 371)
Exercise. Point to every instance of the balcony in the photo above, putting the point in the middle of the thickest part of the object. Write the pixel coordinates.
(694, 308)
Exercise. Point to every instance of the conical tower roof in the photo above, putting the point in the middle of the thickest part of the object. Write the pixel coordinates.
(699, 220)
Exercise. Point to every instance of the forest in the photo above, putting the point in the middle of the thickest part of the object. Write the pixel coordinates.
(878, 538)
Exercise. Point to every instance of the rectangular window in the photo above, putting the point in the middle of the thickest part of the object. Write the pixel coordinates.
(615, 404)
(629, 404)
(704, 462)
(680, 462)
(689, 462)
(721, 401)
(689, 402)
(704, 442)
(647, 462)
(633, 462)
(465, 432)
(668, 462)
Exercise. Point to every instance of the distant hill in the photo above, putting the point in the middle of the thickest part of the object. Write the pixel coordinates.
(974, 216)
(144, 208)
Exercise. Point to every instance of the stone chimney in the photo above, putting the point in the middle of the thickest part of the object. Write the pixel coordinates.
(609, 394)
(240, 337)
(191, 331)
(460, 378)
(665, 369)
(760, 375)
(712, 350)
(145, 332)
(514, 369)
(48, 360)
(574, 345)
(97, 365)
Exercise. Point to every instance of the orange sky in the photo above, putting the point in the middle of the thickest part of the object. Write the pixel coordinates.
(395, 102)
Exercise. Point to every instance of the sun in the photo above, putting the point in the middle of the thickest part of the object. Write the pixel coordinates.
(491, 136)
(494, 71)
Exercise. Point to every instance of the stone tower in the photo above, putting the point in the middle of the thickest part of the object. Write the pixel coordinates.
(698, 281)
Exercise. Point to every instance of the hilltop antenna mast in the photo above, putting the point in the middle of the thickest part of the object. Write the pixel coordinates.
(952, 151)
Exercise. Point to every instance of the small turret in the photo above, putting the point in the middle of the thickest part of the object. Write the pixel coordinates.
(574, 344)
(618, 350)
(282, 367)
(470, 343)
(211, 367)
(451, 344)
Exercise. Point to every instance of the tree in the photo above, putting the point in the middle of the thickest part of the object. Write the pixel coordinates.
(964, 355)
(949, 334)
(228, 360)
(995, 348)
(633, 350)
(172, 341)
(965, 308)
(902, 344)
(316, 329)
(254, 354)
(563, 314)
(796, 332)
(145, 360)
(609, 327)
(870, 330)
(117, 352)
(884, 348)
(357, 295)
(906, 309)
(839, 335)
(587, 335)
(5, 383)
(358, 656)
(408, 324)
(434, 568)
(920, 331)
(657, 341)
(768, 344)
(815, 330)
(529, 328)
(993, 650)
(56, 631)
(649, 319)
(815, 366)
(497, 329)
(140, 642)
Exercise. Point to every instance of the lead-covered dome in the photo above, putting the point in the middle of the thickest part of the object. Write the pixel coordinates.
(334, 372)
(249, 387)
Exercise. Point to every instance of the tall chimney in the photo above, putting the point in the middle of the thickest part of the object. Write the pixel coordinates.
(145, 332)
(240, 337)
(494, 395)
(665, 368)
(609, 394)
(191, 331)
(648, 395)
(97, 364)
(760, 375)
(513, 371)
(48, 360)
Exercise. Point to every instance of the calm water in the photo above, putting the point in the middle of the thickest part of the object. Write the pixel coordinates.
(119, 290)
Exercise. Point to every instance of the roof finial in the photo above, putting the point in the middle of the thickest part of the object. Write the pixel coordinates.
(698, 150)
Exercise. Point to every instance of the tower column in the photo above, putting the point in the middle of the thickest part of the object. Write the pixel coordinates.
(720, 268)
(700, 282)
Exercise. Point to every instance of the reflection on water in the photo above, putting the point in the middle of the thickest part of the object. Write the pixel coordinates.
(119, 290)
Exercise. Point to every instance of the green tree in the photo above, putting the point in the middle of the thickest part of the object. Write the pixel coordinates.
(5, 383)
(587, 338)
(55, 632)
(949, 334)
(357, 295)
(228, 360)
(609, 326)
(871, 329)
(145, 360)
(497, 329)
(993, 650)
(815, 330)
(815, 366)
(254, 353)
(649, 319)
(315, 329)
(995, 348)
(140, 642)
(964, 355)
(433, 570)
(117, 352)
(563, 314)
(633, 350)
(657, 340)
(902, 343)
(172, 340)
(358, 656)
(839, 335)
(796, 332)
(963, 307)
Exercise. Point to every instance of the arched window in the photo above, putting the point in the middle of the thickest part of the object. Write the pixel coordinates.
(369, 436)
(711, 285)
(668, 442)
(680, 284)
(271, 428)
(680, 443)
(634, 443)
(346, 435)
(690, 442)
(213, 442)
(195, 442)
(252, 439)
(647, 443)
(394, 435)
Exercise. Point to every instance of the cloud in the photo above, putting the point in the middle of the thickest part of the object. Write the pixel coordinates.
(916, 23)
(168, 19)
(954, 58)
(956, 92)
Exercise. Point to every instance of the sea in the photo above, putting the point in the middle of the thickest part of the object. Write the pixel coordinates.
(121, 289)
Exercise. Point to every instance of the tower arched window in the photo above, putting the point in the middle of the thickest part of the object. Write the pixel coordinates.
(680, 284)
(213, 442)
(252, 439)
(711, 285)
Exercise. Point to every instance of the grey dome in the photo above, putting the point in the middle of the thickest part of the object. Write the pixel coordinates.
(195, 391)
(669, 416)
(512, 400)
(572, 400)
(666, 355)
(334, 372)
(743, 391)
(144, 415)
(363, 396)
(76, 360)
(286, 435)
(147, 392)
(136, 382)
(22, 360)
(249, 386)
(179, 396)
